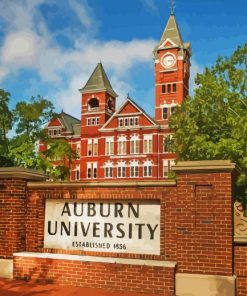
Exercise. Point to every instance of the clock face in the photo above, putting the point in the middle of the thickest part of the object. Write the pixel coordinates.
(168, 60)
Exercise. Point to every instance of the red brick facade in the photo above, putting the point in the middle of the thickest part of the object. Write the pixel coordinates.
(126, 143)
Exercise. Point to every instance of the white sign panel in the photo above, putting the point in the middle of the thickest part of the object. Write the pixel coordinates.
(103, 226)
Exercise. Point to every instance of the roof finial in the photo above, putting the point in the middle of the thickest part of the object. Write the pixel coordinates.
(172, 6)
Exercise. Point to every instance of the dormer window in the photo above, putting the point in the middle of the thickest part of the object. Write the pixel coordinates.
(54, 132)
(93, 104)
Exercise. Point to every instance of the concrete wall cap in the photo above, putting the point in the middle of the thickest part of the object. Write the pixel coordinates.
(203, 166)
(21, 173)
(97, 259)
(76, 184)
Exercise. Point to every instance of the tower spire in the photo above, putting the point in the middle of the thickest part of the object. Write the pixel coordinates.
(173, 2)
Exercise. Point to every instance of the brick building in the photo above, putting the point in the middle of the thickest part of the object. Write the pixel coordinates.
(126, 143)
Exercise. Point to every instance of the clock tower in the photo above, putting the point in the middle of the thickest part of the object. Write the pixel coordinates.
(172, 71)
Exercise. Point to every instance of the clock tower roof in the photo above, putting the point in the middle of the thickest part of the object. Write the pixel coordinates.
(172, 32)
(98, 81)
(171, 37)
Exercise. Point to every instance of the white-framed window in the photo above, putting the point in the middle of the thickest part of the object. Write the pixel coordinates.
(78, 151)
(168, 143)
(92, 121)
(108, 167)
(147, 144)
(92, 170)
(122, 145)
(134, 169)
(121, 122)
(121, 169)
(134, 144)
(92, 147)
(109, 146)
(77, 173)
(147, 168)
(89, 170)
(54, 132)
(167, 164)
(165, 168)
(89, 147)
(128, 121)
(164, 113)
(95, 147)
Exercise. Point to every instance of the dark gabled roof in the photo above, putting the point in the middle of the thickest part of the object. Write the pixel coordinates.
(98, 81)
(70, 123)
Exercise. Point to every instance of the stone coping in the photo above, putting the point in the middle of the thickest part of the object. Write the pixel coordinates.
(21, 173)
(95, 259)
(240, 240)
(76, 184)
(203, 166)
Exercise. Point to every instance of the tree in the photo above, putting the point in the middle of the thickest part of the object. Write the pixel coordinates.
(6, 120)
(30, 118)
(212, 124)
(60, 152)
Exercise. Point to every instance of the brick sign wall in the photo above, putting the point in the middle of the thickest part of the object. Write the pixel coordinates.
(163, 237)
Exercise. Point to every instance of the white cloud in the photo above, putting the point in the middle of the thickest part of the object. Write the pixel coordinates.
(150, 4)
(20, 48)
(28, 44)
(82, 11)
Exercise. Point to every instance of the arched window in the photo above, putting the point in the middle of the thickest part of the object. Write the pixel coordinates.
(77, 173)
(122, 145)
(134, 169)
(147, 168)
(134, 144)
(93, 104)
(108, 166)
(110, 104)
(121, 169)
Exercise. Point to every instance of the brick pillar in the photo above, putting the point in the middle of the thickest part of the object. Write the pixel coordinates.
(204, 227)
(13, 212)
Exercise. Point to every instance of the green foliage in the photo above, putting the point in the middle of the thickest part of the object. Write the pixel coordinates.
(6, 120)
(213, 123)
(22, 149)
(60, 151)
(30, 117)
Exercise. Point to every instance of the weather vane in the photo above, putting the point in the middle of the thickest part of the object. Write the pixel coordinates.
(172, 6)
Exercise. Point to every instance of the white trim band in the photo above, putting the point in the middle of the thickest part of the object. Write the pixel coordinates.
(110, 260)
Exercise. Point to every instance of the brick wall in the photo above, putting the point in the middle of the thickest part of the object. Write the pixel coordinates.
(116, 277)
(204, 223)
(240, 264)
(196, 231)
(12, 217)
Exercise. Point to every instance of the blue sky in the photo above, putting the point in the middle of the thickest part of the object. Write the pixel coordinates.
(50, 47)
